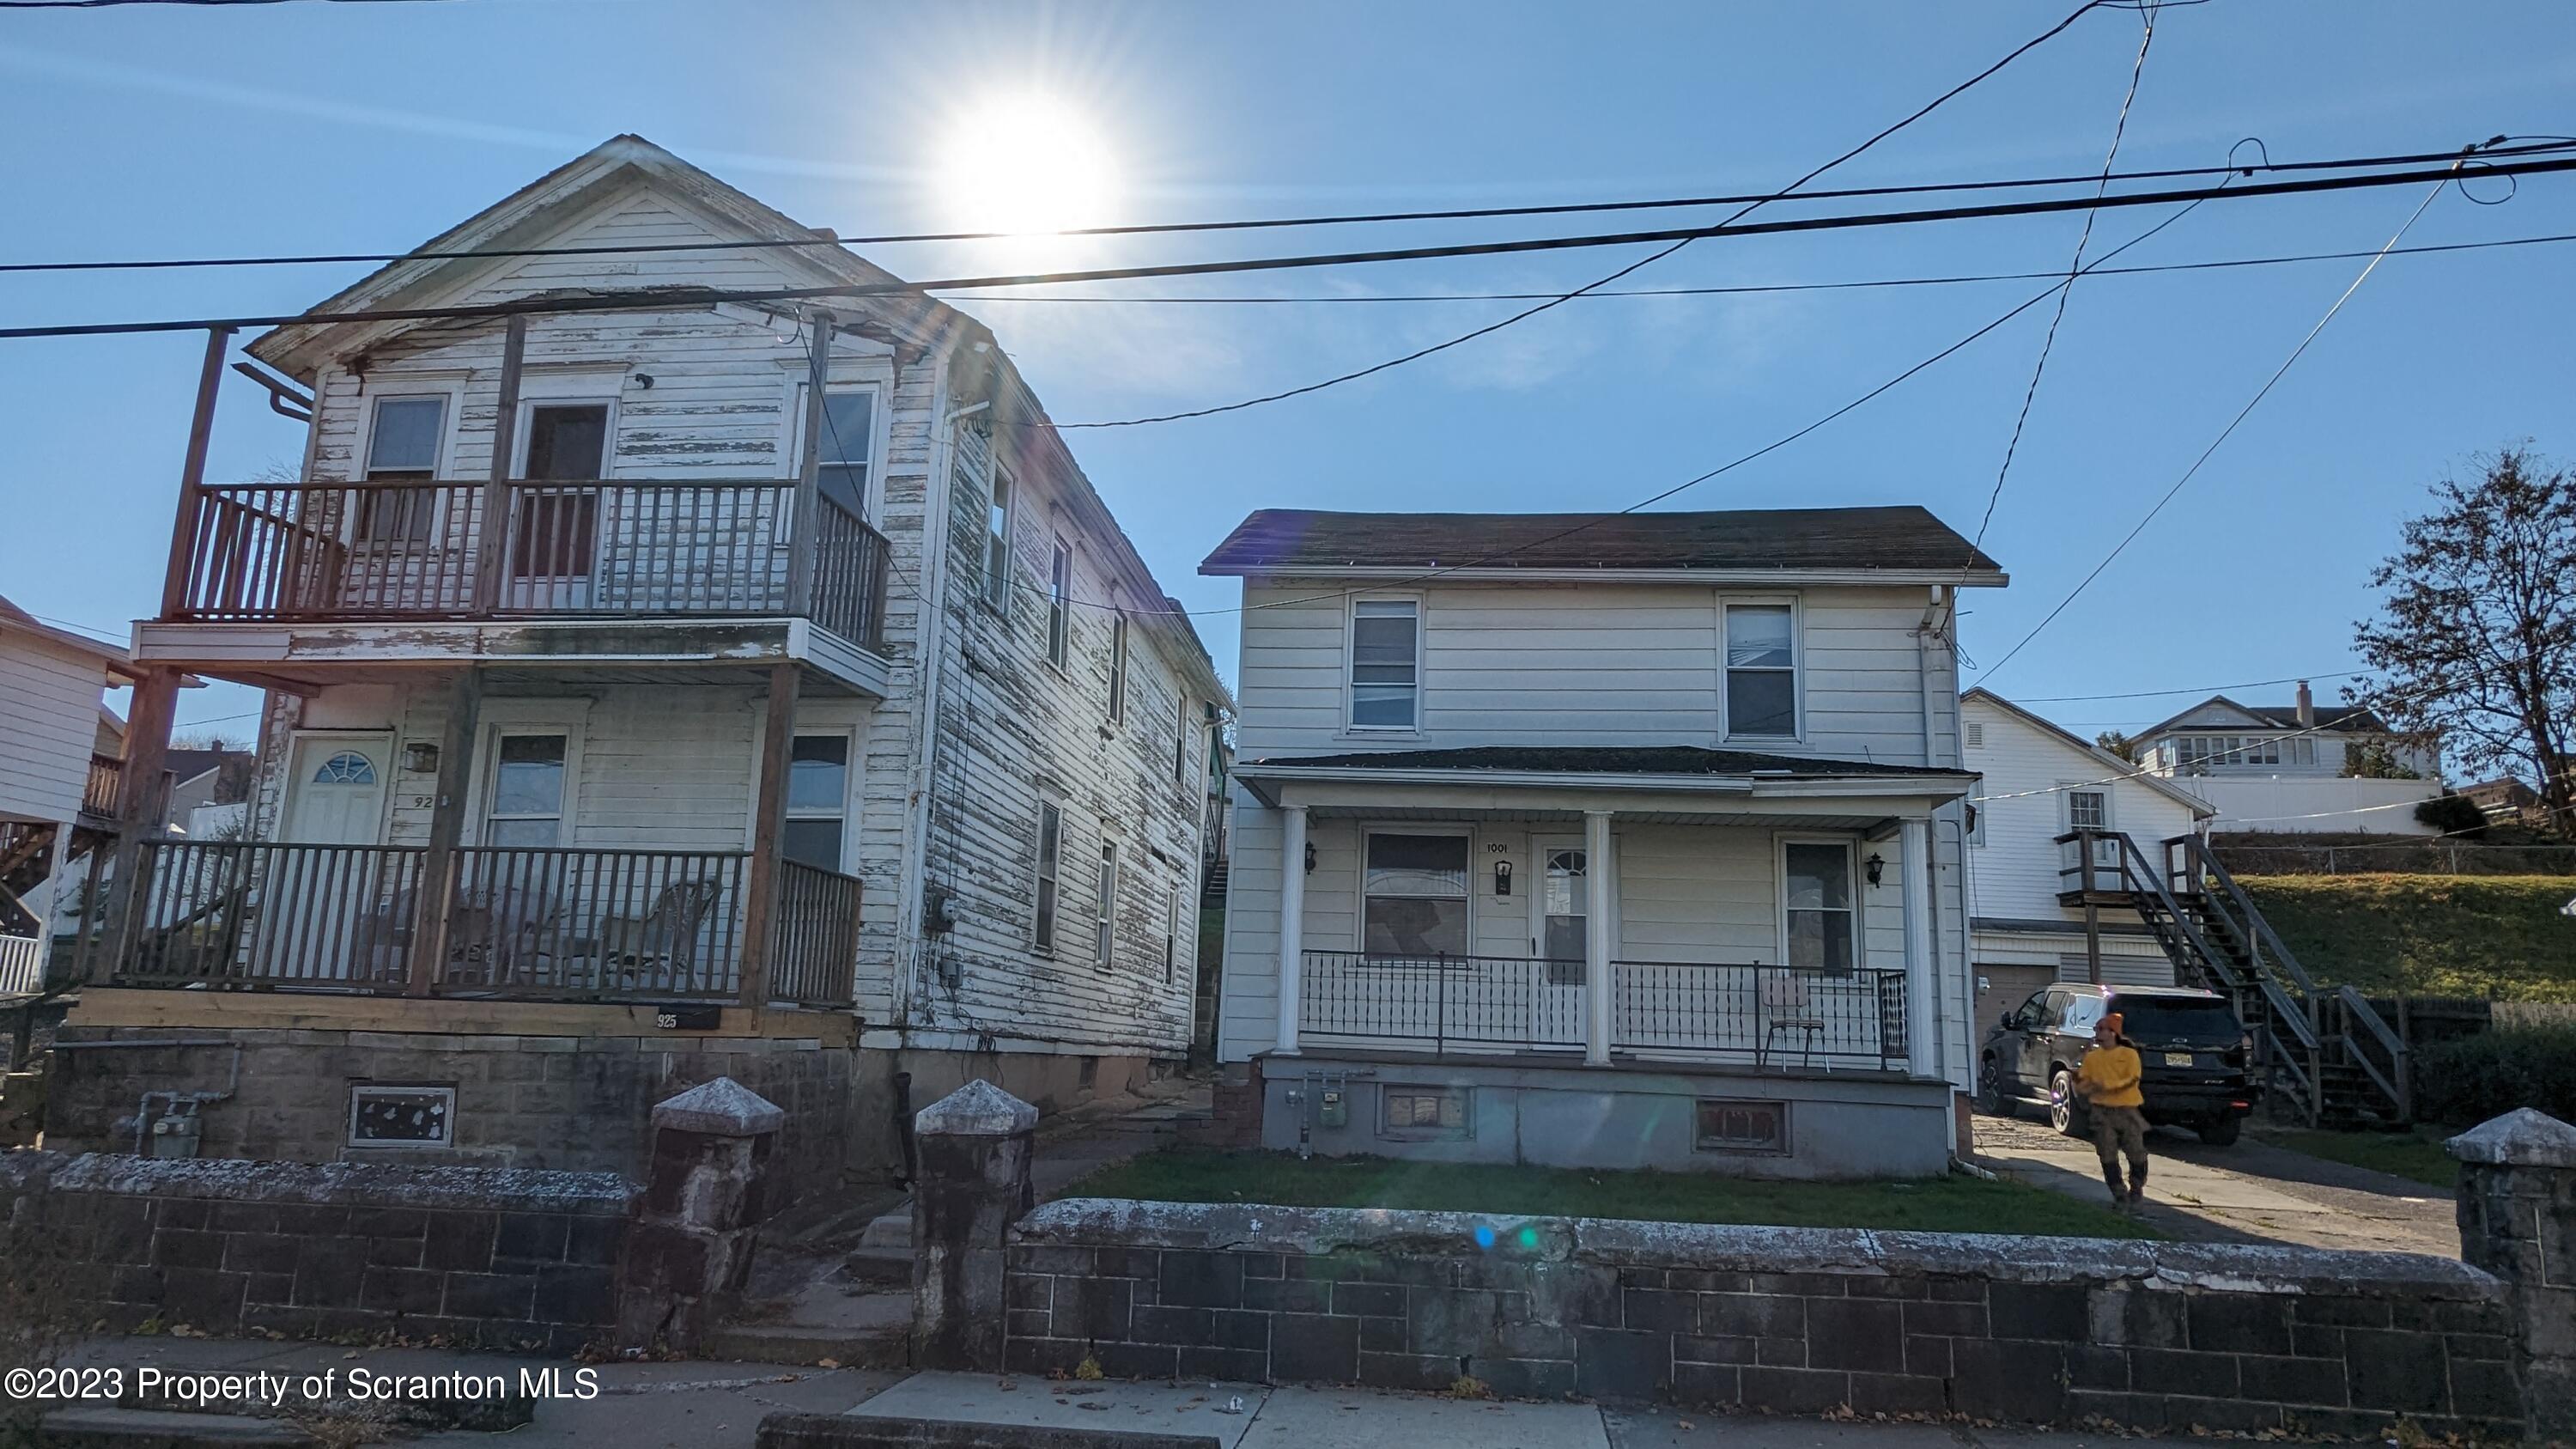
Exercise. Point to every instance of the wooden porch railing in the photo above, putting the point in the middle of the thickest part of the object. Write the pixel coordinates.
(621, 548)
(551, 924)
(99, 794)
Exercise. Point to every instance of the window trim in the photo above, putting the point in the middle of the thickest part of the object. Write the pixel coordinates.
(399, 385)
(1104, 907)
(848, 736)
(566, 823)
(571, 397)
(1182, 736)
(1060, 605)
(1350, 663)
(2067, 791)
(443, 1092)
(1172, 933)
(1045, 921)
(570, 719)
(1002, 493)
(1359, 873)
(1797, 735)
(1118, 667)
(792, 416)
(1859, 908)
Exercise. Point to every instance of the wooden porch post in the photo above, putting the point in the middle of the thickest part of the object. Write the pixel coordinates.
(2092, 936)
(769, 821)
(1921, 955)
(142, 799)
(806, 511)
(192, 476)
(1599, 931)
(492, 525)
(1292, 924)
(432, 908)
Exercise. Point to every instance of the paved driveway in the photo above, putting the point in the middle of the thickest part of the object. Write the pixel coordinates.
(2250, 1191)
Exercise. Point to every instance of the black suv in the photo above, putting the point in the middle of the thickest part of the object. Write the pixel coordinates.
(2191, 1048)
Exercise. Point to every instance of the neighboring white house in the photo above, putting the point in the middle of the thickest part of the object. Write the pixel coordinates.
(2039, 782)
(2296, 767)
(1637, 845)
(51, 779)
(786, 684)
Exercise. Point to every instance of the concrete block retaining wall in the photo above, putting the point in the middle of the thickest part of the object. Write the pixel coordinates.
(499, 1257)
(2146, 1336)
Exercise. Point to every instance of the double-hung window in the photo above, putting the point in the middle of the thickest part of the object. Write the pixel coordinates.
(527, 791)
(1181, 737)
(818, 795)
(402, 448)
(1761, 671)
(1817, 905)
(2088, 810)
(1118, 669)
(849, 431)
(997, 542)
(1172, 935)
(1415, 895)
(1060, 605)
(1386, 664)
(1050, 857)
(1104, 922)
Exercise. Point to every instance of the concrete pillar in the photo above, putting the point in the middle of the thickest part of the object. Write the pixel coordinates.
(2518, 1221)
(690, 1247)
(1599, 931)
(1292, 922)
(1921, 1048)
(973, 1184)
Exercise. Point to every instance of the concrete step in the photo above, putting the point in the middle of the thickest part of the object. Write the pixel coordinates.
(102, 1428)
(854, 1329)
(889, 1231)
(887, 1267)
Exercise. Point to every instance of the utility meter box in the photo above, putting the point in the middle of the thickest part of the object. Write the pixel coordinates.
(1333, 1107)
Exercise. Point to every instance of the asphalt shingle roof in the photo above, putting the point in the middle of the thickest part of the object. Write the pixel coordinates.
(1894, 538)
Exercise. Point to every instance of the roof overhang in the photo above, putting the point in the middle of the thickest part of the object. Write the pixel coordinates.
(1912, 795)
(1751, 578)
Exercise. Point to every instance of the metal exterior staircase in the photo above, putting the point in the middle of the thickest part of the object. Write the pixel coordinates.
(2321, 1048)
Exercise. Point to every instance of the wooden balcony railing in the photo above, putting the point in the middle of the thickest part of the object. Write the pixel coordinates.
(552, 924)
(99, 794)
(615, 549)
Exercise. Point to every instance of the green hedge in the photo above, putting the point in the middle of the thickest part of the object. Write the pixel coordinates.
(2469, 1079)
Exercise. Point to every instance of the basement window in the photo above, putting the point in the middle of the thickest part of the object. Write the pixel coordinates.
(1760, 1128)
(382, 1116)
(1422, 1113)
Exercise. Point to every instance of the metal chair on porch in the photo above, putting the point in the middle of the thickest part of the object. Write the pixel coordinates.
(659, 947)
(1787, 1006)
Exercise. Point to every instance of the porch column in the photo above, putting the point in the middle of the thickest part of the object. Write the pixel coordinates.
(437, 891)
(1598, 933)
(1292, 922)
(1919, 954)
(769, 821)
(142, 803)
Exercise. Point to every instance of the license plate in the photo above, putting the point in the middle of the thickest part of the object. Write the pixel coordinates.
(2177, 1059)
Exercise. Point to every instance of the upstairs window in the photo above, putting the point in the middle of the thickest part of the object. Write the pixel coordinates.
(402, 447)
(1761, 671)
(1104, 922)
(1060, 605)
(1182, 734)
(1050, 853)
(997, 543)
(1816, 904)
(1386, 664)
(1118, 669)
(849, 430)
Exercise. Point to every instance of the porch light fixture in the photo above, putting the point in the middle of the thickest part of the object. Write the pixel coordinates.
(1310, 857)
(1502, 877)
(420, 758)
(1876, 867)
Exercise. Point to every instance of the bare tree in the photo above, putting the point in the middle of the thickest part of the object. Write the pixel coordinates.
(2476, 635)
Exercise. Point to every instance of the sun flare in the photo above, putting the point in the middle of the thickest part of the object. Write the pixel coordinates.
(1027, 165)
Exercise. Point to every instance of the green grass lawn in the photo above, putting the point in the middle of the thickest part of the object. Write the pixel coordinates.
(1955, 1204)
(2416, 1156)
(2497, 936)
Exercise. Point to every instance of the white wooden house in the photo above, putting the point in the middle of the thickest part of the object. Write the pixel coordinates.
(1601, 840)
(54, 780)
(2296, 768)
(2037, 784)
(620, 692)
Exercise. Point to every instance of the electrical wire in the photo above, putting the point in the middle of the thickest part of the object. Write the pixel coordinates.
(2223, 435)
(659, 299)
(2196, 689)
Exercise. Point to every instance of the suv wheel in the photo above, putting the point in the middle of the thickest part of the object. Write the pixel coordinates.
(2066, 1110)
(2221, 1130)
(1990, 1090)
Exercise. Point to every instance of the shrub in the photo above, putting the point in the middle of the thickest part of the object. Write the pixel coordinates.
(2469, 1079)
(2451, 814)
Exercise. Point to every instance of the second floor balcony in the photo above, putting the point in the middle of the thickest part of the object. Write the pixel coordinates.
(625, 549)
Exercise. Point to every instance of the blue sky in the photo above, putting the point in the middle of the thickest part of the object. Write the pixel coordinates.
(168, 131)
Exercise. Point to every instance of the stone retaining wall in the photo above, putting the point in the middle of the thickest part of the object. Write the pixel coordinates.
(2146, 1336)
(499, 1257)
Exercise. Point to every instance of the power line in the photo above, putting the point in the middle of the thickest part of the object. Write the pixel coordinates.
(650, 299)
(1641, 263)
(2223, 435)
(826, 237)
(2195, 689)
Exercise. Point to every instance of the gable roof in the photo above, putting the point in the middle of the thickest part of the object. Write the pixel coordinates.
(16, 620)
(2342, 718)
(2120, 768)
(1901, 541)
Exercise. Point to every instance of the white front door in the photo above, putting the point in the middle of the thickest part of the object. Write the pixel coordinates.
(325, 915)
(1559, 926)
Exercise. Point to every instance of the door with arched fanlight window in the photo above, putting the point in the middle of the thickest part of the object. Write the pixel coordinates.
(332, 916)
(338, 792)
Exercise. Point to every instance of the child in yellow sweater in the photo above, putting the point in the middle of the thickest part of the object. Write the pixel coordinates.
(2107, 1079)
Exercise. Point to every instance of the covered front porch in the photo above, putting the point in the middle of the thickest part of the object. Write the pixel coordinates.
(1693, 913)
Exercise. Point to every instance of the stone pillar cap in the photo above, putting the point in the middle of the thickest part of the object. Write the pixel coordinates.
(721, 1108)
(2519, 1138)
(977, 1109)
